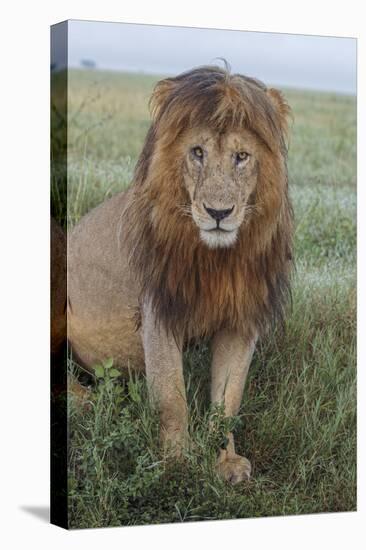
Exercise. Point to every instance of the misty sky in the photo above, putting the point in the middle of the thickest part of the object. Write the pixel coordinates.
(315, 62)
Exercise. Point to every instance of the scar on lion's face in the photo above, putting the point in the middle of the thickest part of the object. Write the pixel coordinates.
(220, 175)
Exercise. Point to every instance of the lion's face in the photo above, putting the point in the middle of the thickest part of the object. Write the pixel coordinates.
(210, 221)
(220, 174)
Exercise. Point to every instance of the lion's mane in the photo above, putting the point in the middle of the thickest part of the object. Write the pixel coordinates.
(195, 290)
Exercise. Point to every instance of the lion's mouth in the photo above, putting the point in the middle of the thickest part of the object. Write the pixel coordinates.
(218, 237)
(220, 230)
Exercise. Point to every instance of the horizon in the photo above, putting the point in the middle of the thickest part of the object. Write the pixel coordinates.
(140, 72)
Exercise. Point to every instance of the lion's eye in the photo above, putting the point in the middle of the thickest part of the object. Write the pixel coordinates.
(198, 152)
(241, 156)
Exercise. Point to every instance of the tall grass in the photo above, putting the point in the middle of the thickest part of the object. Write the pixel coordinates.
(297, 423)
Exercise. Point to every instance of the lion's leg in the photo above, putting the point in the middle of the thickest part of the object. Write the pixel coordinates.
(164, 372)
(230, 364)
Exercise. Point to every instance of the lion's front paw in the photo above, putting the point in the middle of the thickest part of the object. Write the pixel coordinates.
(174, 442)
(233, 468)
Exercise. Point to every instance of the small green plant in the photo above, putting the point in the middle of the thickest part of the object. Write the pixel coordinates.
(106, 371)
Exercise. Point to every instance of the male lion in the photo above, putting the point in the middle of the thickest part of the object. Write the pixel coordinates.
(198, 247)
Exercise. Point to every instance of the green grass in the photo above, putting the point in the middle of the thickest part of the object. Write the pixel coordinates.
(297, 423)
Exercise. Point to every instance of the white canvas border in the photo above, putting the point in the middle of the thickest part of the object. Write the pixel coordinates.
(25, 271)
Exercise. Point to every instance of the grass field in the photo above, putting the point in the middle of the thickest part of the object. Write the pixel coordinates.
(297, 423)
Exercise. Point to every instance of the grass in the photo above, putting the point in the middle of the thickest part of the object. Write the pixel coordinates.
(297, 423)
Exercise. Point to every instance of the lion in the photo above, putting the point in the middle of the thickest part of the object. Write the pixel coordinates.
(198, 247)
(58, 287)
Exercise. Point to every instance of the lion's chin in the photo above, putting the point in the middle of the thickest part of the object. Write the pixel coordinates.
(218, 239)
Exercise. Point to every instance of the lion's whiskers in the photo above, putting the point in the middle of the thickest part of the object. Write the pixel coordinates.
(186, 210)
(251, 209)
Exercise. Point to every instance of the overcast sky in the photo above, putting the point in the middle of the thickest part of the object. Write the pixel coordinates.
(315, 62)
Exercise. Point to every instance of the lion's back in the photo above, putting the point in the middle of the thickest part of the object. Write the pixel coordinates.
(102, 294)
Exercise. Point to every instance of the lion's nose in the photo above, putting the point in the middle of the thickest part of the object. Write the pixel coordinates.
(218, 215)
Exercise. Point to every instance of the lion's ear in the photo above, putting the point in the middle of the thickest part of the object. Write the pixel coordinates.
(160, 94)
(282, 107)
